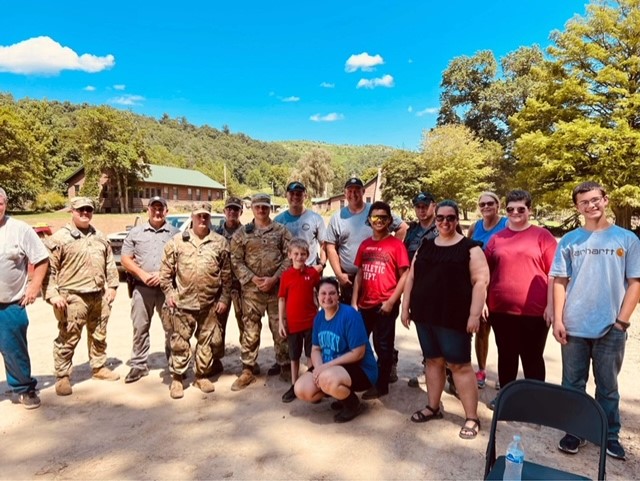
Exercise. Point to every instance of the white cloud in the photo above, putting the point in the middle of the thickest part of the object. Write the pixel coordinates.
(89, 88)
(332, 117)
(427, 111)
(293, 98)
(410, 108)
(43, 55)
(127, 100)
(384, 81)
(327, 85)
(119, 87)
(363, 61)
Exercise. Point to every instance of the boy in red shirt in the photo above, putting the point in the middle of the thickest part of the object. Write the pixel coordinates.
(296, 299)
(383, 263)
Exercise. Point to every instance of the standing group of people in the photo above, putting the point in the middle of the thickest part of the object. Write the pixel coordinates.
(506, 274)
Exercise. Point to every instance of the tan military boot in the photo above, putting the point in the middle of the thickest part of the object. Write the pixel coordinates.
(105, 374)
(176, 390)
(204, 384)
(243, 380)
(63, 386)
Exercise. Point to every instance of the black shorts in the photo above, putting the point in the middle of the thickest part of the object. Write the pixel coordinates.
(359, 380)
(296, 342)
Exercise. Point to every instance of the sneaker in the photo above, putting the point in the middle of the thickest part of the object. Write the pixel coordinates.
(204, 384)
(243, 380)
(63, 386)
(289, 396)
(393, 375)
(176, 390)
(492, 405)
(614, 449)
(481, 377)
(450, 386)
(373, 393)
(417, 380)
(274, 370)
(570, 444)
(135, 375)
(105, 374)
(30, 400)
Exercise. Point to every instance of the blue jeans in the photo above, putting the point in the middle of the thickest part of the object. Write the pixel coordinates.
(13, 346)
(606, 355)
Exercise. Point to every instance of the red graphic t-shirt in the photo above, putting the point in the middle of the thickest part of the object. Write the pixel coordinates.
(380, 263)
(297, 288)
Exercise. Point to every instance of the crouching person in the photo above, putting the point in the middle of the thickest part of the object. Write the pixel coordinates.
(342, 357)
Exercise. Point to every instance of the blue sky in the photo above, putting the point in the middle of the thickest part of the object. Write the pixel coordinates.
(335, 71)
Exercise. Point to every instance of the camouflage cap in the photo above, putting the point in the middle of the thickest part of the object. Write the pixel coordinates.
(261, 199)
(78, 202)
(201, 208)
(234, 202)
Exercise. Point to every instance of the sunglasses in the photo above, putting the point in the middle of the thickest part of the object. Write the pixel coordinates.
(491, 203)
(85, 210)
(521, 210)
(448, 218)
(233, 208)
(379, 218)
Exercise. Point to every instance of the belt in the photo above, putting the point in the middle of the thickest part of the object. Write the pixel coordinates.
(7, 304)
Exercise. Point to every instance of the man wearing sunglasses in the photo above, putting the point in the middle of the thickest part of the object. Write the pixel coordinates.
(141, 253)
(81, 286)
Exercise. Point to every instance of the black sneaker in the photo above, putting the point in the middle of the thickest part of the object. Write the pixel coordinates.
(274, 370)
(615, 449)
(289, 396)
(373, 393)
(492, 405)
(570, 444)
(30, 400)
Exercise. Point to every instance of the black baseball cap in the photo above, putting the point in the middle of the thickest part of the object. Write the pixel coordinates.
(353, 182)
(157, 199)
(423, 198)
(296, 186)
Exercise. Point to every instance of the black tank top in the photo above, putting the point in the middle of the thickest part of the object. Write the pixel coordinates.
(441, 292)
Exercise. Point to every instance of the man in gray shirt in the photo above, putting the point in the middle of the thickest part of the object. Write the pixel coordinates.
(141, 255)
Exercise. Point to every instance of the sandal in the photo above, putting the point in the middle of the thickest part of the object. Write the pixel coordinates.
(467, 432)
(420, 417)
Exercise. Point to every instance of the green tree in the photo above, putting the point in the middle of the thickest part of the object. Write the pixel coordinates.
(584, 120)
(456, 164)
(401, 174)
(314, 171)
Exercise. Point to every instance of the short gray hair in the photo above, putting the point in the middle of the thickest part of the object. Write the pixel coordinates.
(3, 193)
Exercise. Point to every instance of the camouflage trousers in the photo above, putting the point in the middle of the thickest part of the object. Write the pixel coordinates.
(254, 305)
(82, 309)
(206, 327)
(237, 309)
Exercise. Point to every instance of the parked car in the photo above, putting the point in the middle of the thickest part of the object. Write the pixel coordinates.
(181, 221)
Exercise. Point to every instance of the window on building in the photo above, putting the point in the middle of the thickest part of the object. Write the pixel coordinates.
(146, 193)
(175, 193)
(166, 190)
(342, 203)
(368, 200)
(209, 198)
(198, 194)
(190, 193)
(76, 189)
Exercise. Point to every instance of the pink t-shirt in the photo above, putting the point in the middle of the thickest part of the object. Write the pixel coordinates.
(380, 262)
(520, 262)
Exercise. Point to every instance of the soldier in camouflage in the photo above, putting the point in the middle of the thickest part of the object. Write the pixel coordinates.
(195, 276)
(259, 257)
(80, 285)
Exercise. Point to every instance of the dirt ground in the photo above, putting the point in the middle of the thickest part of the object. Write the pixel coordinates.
(109, 430)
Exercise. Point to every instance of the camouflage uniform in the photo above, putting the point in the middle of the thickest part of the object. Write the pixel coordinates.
(81, 267)
(196, 274)
(260, 252)
(236, 287)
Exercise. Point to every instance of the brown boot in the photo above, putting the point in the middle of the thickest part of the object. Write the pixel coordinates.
(243, 380)
(176, 390)
(204, 384)
(105, 374)
(63, 386)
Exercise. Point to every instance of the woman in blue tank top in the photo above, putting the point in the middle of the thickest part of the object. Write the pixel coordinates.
(482, 230)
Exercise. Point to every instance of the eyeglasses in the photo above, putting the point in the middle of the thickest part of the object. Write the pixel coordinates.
(520, 210)
(587, 203)
(85, 210)
(448, 218)
(491, 203)
(379, 218)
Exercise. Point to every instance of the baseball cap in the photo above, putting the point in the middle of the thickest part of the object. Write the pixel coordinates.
(353, 182)
(296, 186)
(261, 199)
(201, 208)
(78, 202)
(155, 199)
(423, 198)
(234, 202)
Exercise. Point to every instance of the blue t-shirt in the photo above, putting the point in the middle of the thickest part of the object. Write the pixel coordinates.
(342, 334)
(598, 265)
(482, 235)
(308, 226)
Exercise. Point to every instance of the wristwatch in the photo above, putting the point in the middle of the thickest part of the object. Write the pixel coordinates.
(623, 324)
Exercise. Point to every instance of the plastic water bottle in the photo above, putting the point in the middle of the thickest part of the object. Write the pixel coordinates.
(514, 461)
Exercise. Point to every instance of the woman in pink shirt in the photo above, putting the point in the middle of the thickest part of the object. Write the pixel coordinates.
(520, 295)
